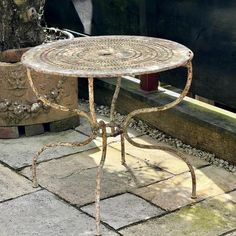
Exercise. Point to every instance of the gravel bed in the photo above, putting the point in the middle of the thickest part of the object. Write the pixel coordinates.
(160, 136)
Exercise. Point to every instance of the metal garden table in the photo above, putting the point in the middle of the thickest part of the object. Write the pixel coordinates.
(106, 57)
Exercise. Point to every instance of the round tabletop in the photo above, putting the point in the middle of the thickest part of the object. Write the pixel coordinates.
(107, 56)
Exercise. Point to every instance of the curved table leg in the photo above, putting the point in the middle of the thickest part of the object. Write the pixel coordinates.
(98, 178)
(114, 99)
(62, 144)
(91, 99)
(163, 108)
(112, 117)
(79, 112)
(122, 141)
(92, 121)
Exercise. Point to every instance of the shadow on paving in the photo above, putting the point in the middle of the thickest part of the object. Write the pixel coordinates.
(73, 177)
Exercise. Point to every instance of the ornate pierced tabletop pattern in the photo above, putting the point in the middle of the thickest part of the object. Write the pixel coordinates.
(107, 56)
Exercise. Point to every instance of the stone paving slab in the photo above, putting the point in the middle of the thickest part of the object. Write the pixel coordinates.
(73, 177)
(165, 160)
(175, 192)
(13, 185)
(79, 188)
(123, 210)
(41, 214)
(211, 217)
(18, 153)
(91, 158)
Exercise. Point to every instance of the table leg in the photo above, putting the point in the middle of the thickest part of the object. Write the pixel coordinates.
(113, 103)
(99, 176)
(91, 119)
(79, 112)
(112, 118)
(122, 141)
(181, 155)
(91, 99)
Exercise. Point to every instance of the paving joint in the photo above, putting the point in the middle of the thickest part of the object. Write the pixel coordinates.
(79, 209)
(56, 158)
(228, 233)
(102, 222)
(143, 221)
(25, 194)
(14, 170)
(166, 211)
(74, 206)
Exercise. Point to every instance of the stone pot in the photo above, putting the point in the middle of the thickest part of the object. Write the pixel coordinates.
(19, 105)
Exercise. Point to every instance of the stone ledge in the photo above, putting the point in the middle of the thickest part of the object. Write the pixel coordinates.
(198, 124)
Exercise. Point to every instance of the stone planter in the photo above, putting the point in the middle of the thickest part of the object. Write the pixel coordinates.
(20, 107)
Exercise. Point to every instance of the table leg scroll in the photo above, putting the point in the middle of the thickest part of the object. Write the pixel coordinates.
(91, 119)
(161, 146)
(60, 107)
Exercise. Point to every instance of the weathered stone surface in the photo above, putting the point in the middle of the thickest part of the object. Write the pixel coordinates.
(9, 132)
(41, 214)
(208, 218)
(165, 160)
(79, 187)
(31, 130)
(73, 177)
(125, 209)
(84, 127)
(174, 193)
(20, 107)
(13, 185)
(19, 153)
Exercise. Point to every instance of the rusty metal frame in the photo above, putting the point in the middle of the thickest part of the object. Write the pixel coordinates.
(181, 155)
(116, 129)
(91, 119)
